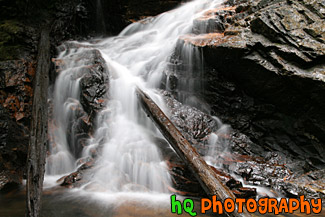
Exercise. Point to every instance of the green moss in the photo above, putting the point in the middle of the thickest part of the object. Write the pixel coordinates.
(9, 52)
(11, 26)
(10, 30)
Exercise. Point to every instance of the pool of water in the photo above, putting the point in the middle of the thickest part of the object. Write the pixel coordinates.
(68, 203)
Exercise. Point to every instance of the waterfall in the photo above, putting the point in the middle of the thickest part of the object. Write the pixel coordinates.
(129, 159)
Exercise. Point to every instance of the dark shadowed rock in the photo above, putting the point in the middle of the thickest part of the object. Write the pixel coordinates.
(194, 124)
(16, 96)
(185, 183)
(83, 18)
(264, 75)
(94, 83)
(136, 10)
(77, 178)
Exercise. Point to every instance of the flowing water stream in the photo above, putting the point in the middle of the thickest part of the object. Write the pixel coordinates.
(129, 160)
(129, 177)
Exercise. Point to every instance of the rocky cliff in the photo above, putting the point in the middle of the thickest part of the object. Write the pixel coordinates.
(264, 75)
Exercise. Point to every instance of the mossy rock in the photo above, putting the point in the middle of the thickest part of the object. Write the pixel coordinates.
(11, 36)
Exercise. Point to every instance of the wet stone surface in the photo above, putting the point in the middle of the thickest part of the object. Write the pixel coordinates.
(193, 123)
(94, 79)
(77, 178)
(263, 76)
(16, 95)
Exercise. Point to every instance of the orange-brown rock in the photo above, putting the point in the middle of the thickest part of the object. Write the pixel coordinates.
(263, 74)
(16, 96)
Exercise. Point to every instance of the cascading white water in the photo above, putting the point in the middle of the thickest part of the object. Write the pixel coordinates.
(129, 159)
(66, 98)
(218, 143)
(191, 72)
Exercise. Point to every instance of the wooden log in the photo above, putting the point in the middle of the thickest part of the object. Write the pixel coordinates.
(200, 169)
(38, 134)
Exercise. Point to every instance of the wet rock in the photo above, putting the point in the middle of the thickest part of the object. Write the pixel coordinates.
(18, 41)
(93, 79)
(312, 182)
(84, 18)
(77, 178)
(94, 85)
(72, 21)
(232, 183)
(16, 79)
(136, 10)
(245, 193)
(185, 183)
(8, 181)
(71, 179)
(214, 20)
(264, 76)
(193, 124)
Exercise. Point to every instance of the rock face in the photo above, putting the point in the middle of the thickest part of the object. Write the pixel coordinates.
(94, 85)
(197, 127)
(194, 124)
(93, 82)
(264, 75)
(15, 110)
(77, 178)
(105, 17)
(136, 10)
(93, 97)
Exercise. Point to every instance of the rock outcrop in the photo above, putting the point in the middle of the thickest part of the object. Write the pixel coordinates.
(15, 110)
(82, 18)
(136, 10)
(194, 124)
(264, 75)
(93, 77)
(18, 49)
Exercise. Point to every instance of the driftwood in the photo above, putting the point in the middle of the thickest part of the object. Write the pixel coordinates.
(38, 133)
(201, 170)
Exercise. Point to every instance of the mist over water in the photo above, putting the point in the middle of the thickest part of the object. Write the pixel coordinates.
(129, 160)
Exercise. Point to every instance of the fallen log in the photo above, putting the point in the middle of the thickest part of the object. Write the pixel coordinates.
(38, 133)
(207, 178)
